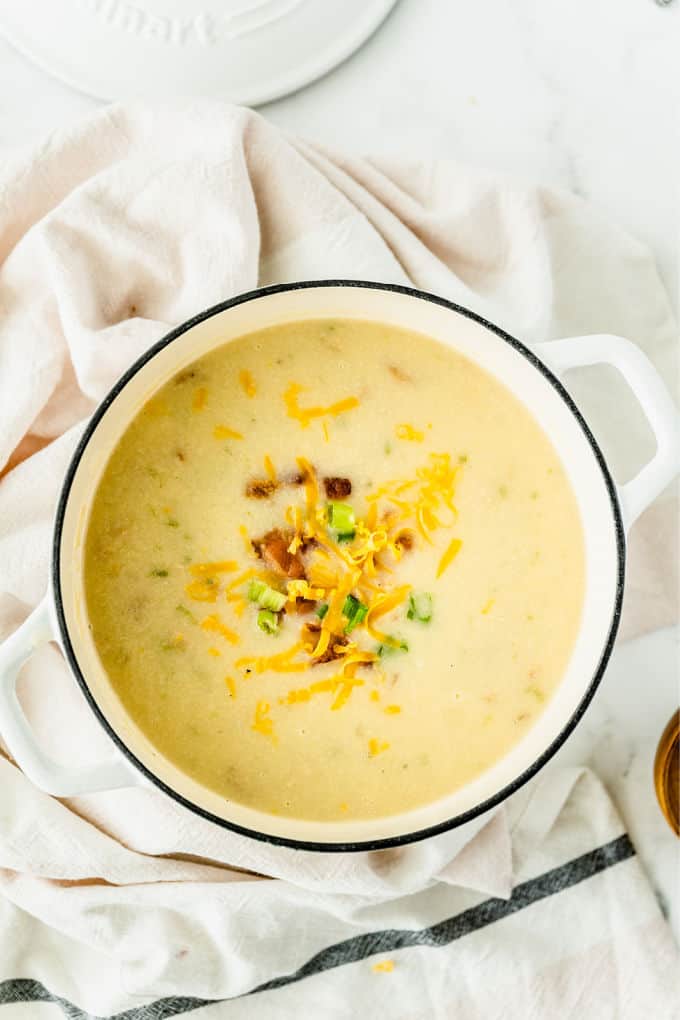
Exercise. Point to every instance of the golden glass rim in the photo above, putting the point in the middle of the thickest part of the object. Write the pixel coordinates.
(666, 771)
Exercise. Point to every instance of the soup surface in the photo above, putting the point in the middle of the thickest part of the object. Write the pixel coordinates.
(334, 570)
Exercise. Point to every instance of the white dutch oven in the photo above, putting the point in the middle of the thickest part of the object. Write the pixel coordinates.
(606, 512)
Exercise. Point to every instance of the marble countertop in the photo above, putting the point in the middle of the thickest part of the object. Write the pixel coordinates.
(581, 95)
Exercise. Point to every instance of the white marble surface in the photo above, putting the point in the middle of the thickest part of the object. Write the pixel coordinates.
(582, 95)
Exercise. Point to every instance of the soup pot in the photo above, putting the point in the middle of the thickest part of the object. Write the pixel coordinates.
(606, 510)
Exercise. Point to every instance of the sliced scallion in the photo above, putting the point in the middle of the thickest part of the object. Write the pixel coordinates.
(266, 596)
(268, 621)
(355, 611)
(322, 610)
(390, 649)
(420, 607)
(347, 536)
(341, 517)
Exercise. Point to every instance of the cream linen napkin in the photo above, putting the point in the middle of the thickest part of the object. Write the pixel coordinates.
(111, 233)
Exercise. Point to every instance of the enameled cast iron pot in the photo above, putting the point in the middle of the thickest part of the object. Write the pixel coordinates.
(606, 511)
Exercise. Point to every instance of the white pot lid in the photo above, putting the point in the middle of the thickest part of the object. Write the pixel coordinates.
(246, 51)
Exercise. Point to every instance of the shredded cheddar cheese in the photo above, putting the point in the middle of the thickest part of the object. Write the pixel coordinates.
(202, 590)
(376, 747)
(384, 967)
(214, 624)
(305, 414)
(262, 722)
(451, 552)
(409, 433)
(247, 544)
(347, 686)
(247, 383)
(281, 663)
(218, 567)
(215, 652)
(224, 432)
(399, 514)
(199, 399)
(381, 605)
(231, 685)
(488, 606)
(303, 590)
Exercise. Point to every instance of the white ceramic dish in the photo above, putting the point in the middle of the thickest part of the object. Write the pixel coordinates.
(246, 51)
(606, 511)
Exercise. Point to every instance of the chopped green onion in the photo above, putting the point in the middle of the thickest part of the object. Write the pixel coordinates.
(159, 573)
(341, 517)
(322, 610)
(347, 536)
(420, 607)
(186, 612)
(265, 596)
(268, 621)
(255, 589)
(172, 522)
(389, 649)
(355, 611)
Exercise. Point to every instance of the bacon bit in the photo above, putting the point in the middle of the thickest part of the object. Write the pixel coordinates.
(260, 488)
(384, 967)
(301, 606)
(270, 469)
(450, 554)
(224, 432)
(262, 722)
(409, 433)
(337, 488)
(376, 747)
(213, 623)
(218, 567)
(405, 540)
(199, 399)
(272, 548)
(305, 414)
(400, 374)
(247, 383)
(231, 685)
(392, 710)
(202, 590)
(180, 456)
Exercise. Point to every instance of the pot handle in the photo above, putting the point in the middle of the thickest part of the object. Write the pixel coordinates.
(18, 735)
(653, 397)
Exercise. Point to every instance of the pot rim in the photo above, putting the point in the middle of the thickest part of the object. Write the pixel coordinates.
(405, 838)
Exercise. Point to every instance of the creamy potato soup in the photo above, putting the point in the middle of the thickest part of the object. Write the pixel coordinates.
(334, 570)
